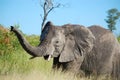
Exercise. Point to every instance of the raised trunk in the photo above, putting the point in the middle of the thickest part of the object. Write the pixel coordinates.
(34, 51)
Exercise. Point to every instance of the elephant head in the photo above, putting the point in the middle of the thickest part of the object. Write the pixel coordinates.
(66, 42)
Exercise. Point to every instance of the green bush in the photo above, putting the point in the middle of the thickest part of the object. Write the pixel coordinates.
(119, 38)
(14, 59)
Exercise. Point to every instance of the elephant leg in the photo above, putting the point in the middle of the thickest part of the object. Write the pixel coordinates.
(74, 67)
(56, 63)
(65, 66)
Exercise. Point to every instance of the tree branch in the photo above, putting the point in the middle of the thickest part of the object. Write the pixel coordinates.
(47, 7)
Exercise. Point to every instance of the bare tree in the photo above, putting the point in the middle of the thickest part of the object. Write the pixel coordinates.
(47, 6)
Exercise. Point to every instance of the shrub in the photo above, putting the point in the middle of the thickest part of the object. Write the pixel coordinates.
(13, 58)
(119, 38)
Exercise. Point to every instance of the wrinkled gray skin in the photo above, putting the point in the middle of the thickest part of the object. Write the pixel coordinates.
(92, 50)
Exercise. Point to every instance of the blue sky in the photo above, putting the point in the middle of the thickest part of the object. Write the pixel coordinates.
(26, 13)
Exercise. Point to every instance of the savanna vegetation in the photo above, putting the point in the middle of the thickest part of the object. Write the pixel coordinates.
(13, 59)
(16, 65)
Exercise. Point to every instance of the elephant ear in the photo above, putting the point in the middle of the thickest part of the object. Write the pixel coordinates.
(84, 39)
(46, 30)
(79, 41)
(67, 53)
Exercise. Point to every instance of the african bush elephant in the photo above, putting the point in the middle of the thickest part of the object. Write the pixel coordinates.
(92, 50)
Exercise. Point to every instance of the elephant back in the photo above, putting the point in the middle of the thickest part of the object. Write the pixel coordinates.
(103, 51)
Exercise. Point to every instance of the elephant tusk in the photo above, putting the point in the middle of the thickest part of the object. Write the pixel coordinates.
(49, 58)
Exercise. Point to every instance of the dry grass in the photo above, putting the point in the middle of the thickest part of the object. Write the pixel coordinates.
(50, 75)
(35, 75)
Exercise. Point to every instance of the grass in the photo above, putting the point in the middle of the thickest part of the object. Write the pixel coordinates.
(14, 61)
(35, 75)
(48, 75)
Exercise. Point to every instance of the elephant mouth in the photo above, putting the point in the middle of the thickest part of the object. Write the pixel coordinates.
(53, 53)
(48, 57)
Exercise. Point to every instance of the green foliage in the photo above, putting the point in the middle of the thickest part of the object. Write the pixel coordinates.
(13, 59)
(113, 16)
(119, 38)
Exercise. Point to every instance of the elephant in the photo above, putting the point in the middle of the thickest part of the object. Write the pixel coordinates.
(91, 50)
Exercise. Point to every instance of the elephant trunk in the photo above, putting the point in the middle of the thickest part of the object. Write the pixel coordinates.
(33, 51)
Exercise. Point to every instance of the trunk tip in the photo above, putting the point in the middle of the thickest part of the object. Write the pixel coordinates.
(11, 28)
